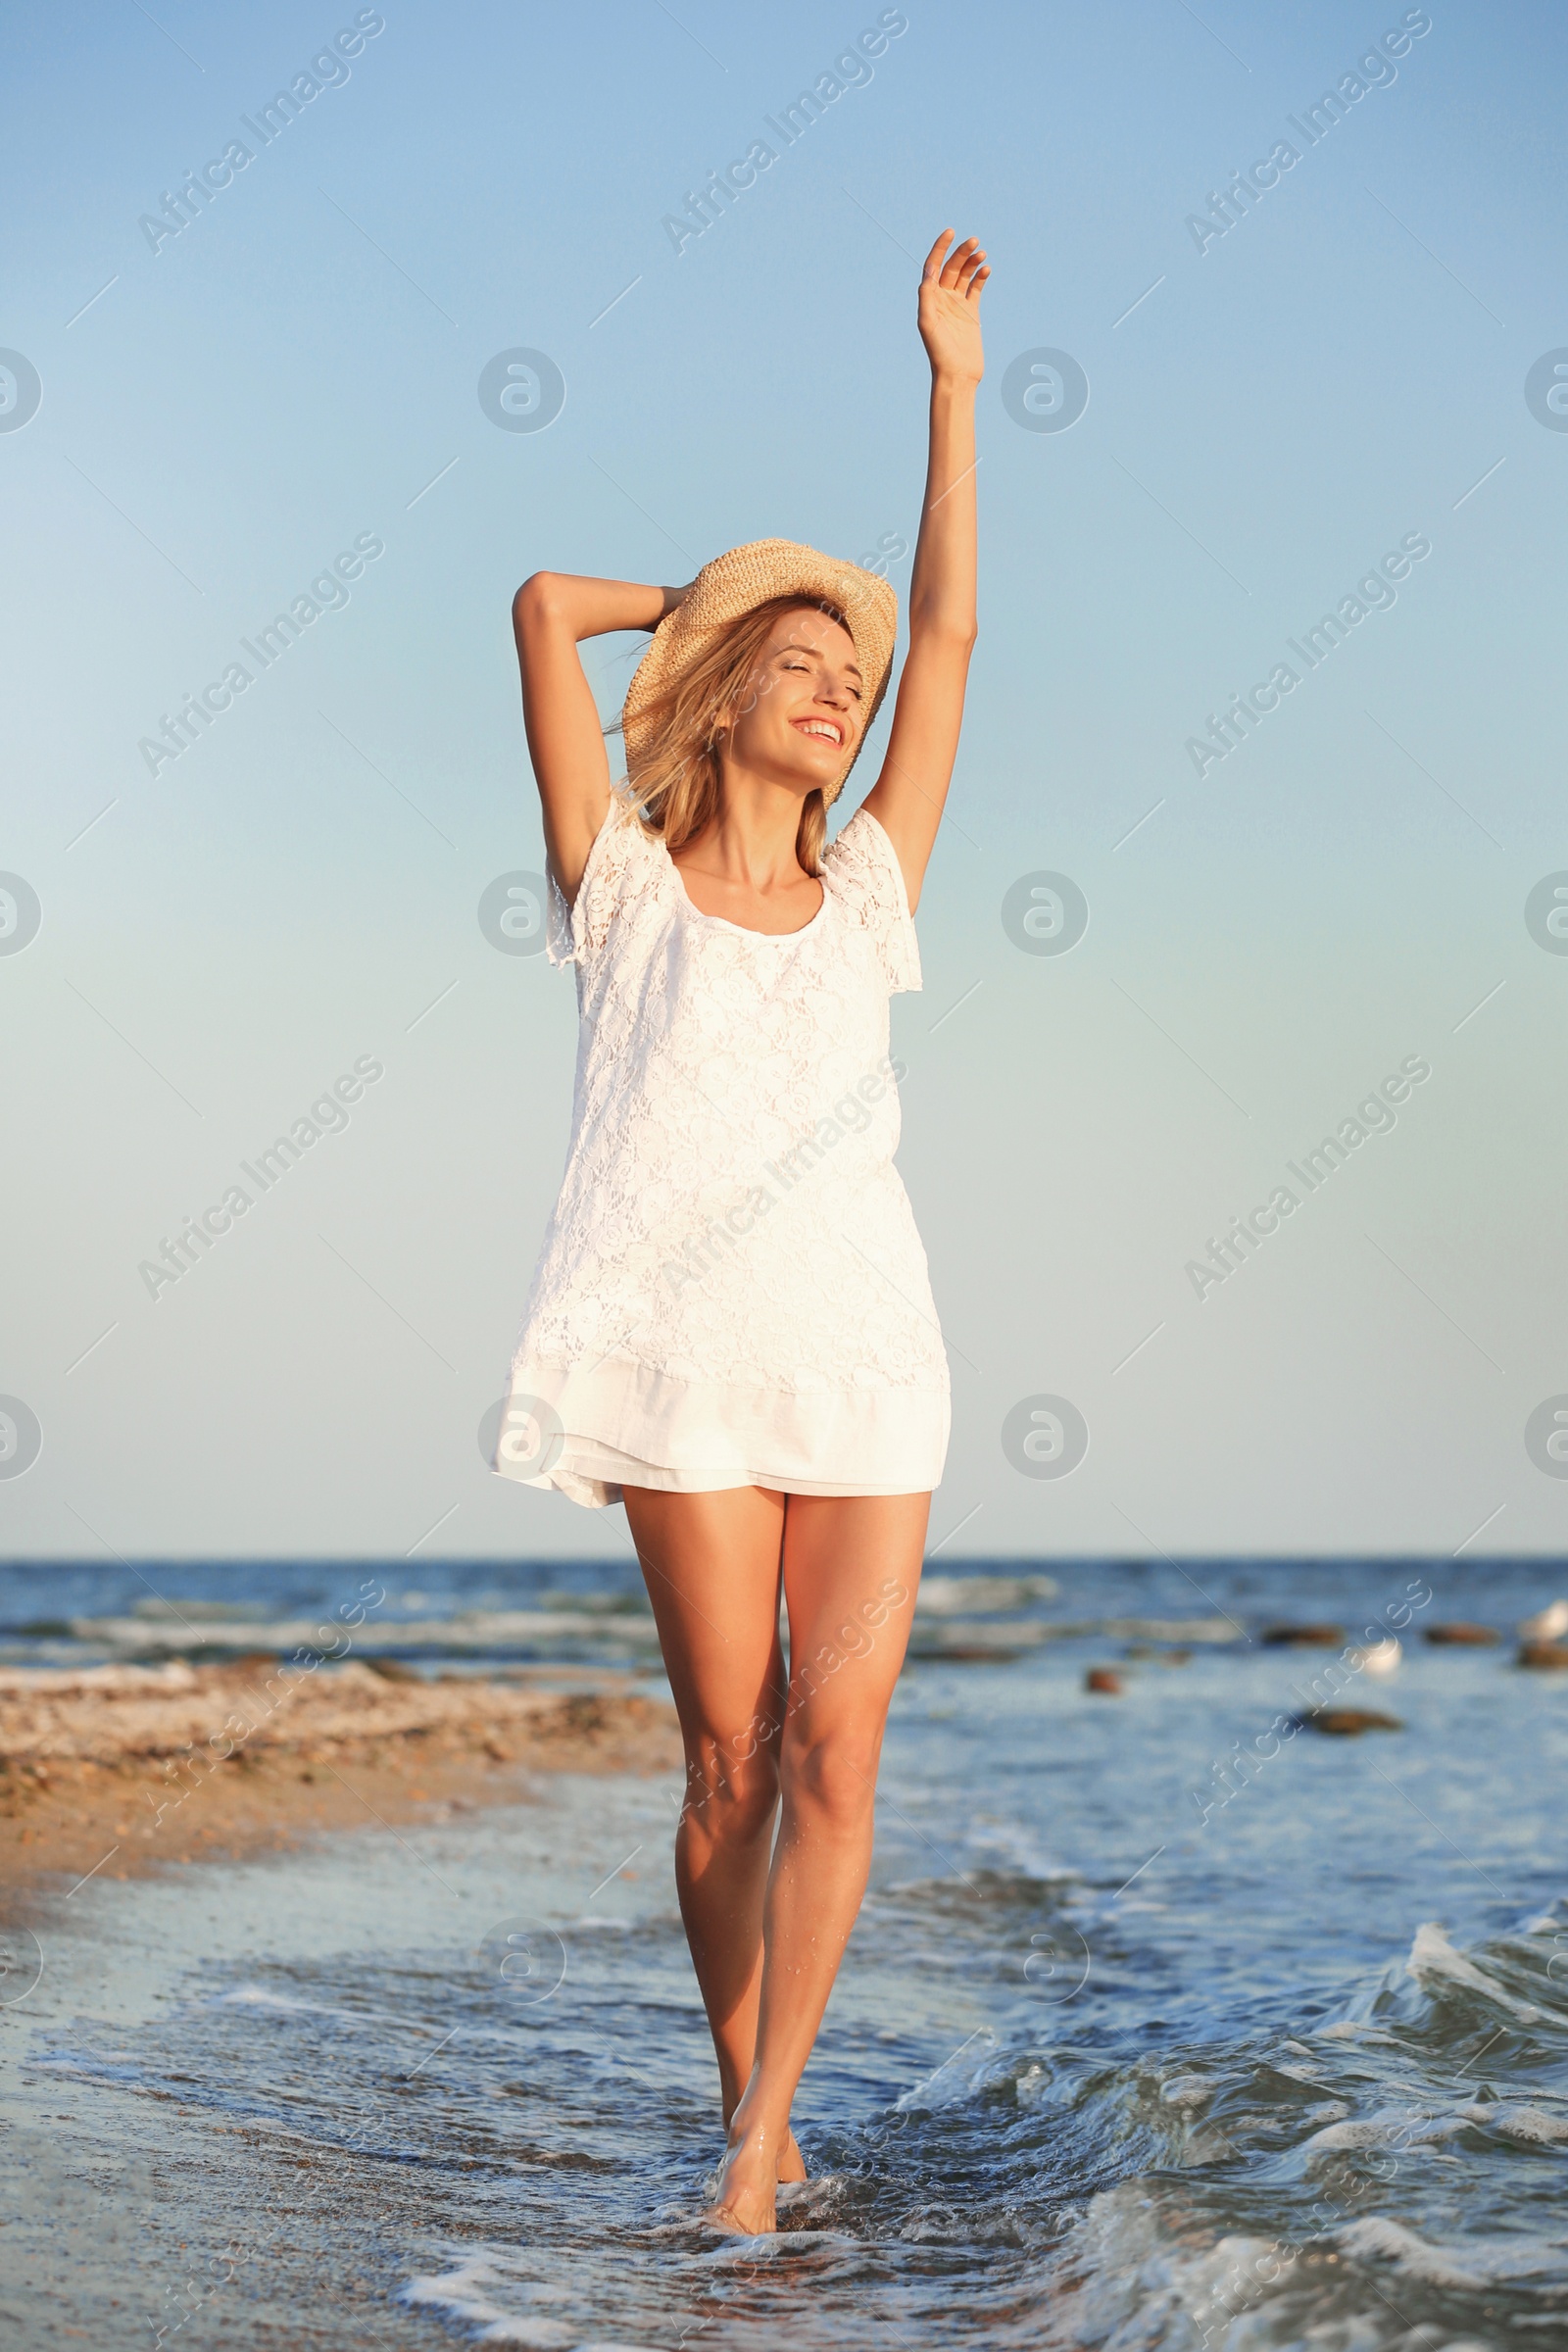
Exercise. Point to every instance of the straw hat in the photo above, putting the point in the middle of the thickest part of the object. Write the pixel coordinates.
(735, 584)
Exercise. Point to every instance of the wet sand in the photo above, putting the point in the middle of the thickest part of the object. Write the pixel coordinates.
(117, 1770)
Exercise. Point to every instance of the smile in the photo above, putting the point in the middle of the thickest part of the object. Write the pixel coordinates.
(828, 730)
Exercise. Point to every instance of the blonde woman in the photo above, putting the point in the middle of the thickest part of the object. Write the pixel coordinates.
(731, 1327)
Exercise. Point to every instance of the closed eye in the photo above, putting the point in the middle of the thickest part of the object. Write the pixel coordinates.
(805, 667)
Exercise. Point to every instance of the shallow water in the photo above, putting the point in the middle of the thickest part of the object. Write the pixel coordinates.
(1130, 2049)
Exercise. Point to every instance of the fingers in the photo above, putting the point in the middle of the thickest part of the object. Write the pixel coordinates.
(933, 260)
(964, 271)
(963, 265)
(959, 261)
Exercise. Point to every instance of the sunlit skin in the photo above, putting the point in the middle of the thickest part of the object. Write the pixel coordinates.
(774, 1841)
(791, 736)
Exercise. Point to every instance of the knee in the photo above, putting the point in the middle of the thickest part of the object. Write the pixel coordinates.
(729, 1798)
(832, 1776)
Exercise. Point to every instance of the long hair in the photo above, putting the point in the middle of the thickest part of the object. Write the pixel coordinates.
(680, 784)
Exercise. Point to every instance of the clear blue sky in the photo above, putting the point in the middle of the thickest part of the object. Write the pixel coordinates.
(1271, 412)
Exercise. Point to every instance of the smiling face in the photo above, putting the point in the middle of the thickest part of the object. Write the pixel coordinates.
(806, 706)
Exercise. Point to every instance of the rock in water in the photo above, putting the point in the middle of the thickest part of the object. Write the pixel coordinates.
(1463, 1637)
(1103, 1679)
(1347, 1723)
(1303, 1637)
(1544, 1654)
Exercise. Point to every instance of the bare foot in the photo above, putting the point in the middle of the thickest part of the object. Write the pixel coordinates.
(743, 2206)
(791, 2163)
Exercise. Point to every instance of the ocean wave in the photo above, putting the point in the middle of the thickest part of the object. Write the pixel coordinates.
(473, 1631)
(1258, 2193)
(533, 2312)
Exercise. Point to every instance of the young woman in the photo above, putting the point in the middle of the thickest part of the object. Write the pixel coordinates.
(731, 1327)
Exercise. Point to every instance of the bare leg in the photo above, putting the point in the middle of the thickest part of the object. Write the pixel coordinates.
(711, 1563)
(852, 1566)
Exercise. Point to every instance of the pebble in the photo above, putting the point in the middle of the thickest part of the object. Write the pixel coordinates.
(1351, 1722)
(1103, 1679)
(1463, 1637)
(1544, 1654)
(1303, 1637)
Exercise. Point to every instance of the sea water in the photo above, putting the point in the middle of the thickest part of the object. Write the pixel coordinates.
(1167, 2022)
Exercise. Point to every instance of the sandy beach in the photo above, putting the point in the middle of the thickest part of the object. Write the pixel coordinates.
(115, 1771)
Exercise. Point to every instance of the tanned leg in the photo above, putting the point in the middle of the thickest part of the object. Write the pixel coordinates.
(851, 1567)
(712, 1564)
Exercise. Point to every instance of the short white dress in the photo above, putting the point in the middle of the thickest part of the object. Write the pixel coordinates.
(732, 1290)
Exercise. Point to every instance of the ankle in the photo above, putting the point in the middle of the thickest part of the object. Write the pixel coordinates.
(750, 2123)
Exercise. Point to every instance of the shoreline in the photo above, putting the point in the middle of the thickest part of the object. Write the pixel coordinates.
(121, 1771)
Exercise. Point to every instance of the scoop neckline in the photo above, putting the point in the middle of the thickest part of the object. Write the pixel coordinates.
(746, 930)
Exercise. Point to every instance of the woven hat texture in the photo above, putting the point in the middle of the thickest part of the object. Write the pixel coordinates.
(738, 582)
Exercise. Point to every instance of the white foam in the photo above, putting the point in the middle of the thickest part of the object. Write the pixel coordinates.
(465, 2293)
(1476, 2262)
(1135, 2282)
(952, 1596)
(956, 2080)
(1430, 1954)
(1376, 2239)
(1371, 2132)
(257, 1996)
(1402, 2127)
(475, 1630)
(33, 1681)
(260, 1997)
(1187, 2090)
(1519, 2122)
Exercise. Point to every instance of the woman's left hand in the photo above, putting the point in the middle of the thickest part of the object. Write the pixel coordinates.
(949, 309)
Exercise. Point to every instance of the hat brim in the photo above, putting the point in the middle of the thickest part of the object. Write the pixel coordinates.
(735, 584)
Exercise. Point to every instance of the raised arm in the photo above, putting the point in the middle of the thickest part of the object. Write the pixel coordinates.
(551, 615)
(908, 795)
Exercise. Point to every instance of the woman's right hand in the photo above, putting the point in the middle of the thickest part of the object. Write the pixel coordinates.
(551, 615)
(673, 597)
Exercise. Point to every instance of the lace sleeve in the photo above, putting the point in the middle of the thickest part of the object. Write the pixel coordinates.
(863, 867)
(574, 934)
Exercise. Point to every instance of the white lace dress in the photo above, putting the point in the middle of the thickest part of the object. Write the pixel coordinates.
(732, 1290)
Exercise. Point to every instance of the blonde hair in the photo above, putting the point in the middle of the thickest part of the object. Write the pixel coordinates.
(679, 783)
